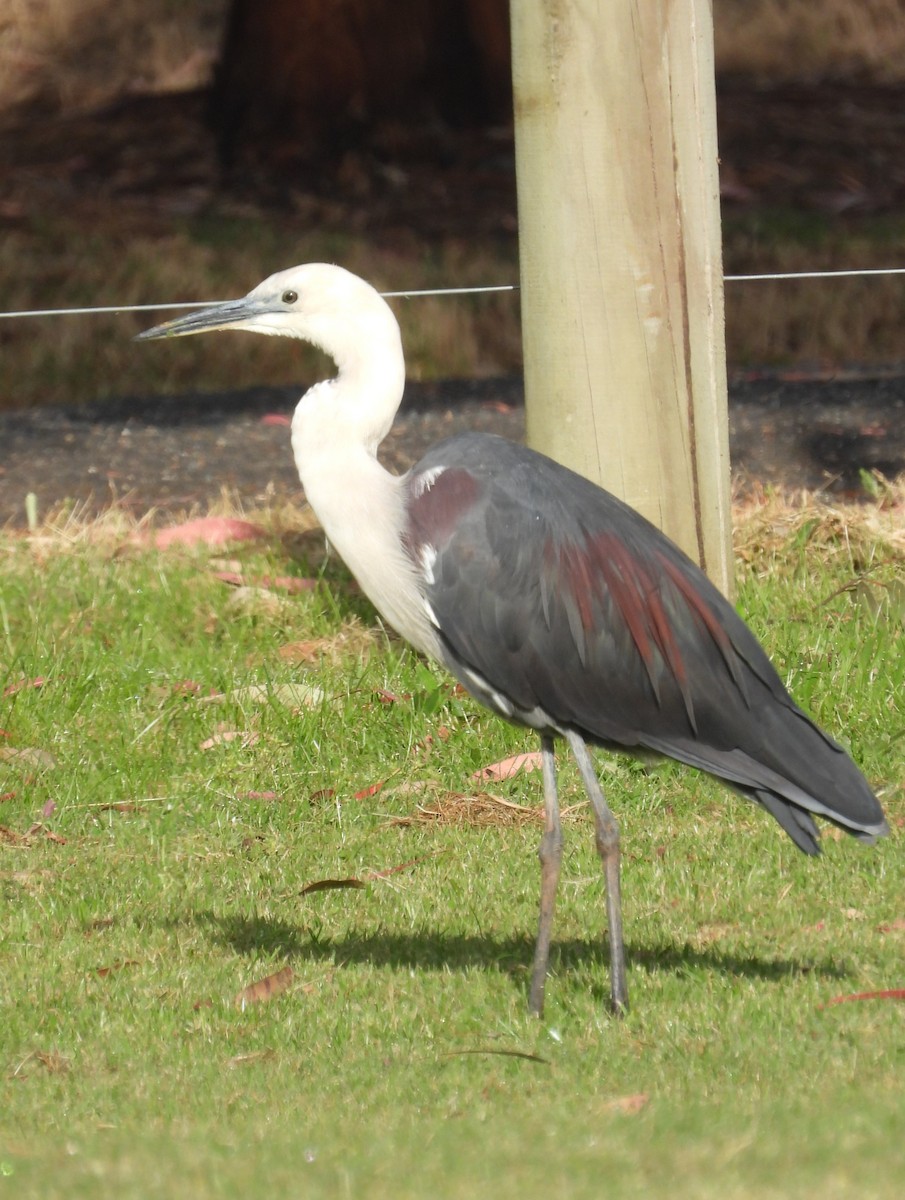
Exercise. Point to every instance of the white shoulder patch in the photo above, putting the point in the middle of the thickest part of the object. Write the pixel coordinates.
(428, 557)
(425, 481)
(431, 615)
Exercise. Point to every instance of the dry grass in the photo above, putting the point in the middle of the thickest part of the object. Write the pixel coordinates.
(864, 544)
(763, 521)
(83, 359)
(834, 322)
(123, 261)
(477, 809)
(800, 39)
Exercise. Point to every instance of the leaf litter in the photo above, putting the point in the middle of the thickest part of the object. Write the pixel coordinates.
(480, 808)
(507, 768)
(208, 531)
(355, 881)
(23, 840)
(28, 756)
(265, 989)
(500, 1052)
(889, 994)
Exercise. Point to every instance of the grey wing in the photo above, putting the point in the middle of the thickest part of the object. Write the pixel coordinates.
(557, 600)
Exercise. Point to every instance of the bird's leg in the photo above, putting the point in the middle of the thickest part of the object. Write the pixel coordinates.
(608, 849)
(550, 855)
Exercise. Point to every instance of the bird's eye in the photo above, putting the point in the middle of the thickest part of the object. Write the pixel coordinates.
(290, 297)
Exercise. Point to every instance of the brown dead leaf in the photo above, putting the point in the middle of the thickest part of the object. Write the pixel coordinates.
(28, 756)
(372, 790)
(509, 767)
(13, 838)
(328, 885)
(502, 1053)
(352, 638)
(208, 531)
(20, 684)
(103, 972)
(265, 989)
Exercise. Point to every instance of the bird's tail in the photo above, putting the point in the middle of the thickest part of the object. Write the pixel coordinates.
(795, 771)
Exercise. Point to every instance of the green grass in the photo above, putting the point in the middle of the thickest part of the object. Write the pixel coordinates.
(126, 1067)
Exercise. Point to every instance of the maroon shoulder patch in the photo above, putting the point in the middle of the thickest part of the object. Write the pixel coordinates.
(438, 502)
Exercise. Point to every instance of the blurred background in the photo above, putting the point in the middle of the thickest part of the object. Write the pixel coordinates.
(168, 150)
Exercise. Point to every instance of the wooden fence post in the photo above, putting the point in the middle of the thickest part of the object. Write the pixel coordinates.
(621, 264)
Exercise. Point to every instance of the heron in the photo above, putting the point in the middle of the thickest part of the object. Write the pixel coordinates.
(551, 601)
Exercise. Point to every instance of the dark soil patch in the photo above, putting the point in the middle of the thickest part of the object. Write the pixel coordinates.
(177, 453)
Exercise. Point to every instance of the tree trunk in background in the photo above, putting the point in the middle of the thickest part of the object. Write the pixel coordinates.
(621, 264)
(311, 72)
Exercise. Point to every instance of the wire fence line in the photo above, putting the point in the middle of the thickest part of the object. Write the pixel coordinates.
(854, 272)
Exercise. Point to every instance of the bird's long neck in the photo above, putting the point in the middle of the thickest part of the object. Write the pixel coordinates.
(336, 430)
(343, 420)
(356, 408)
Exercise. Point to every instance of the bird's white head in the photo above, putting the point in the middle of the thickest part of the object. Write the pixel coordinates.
(347, 319)
(317, 302)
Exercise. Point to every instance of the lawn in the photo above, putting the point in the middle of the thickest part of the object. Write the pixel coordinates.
(179, 1016)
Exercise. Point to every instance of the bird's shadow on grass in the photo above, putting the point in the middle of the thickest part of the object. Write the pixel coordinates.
(431, 950)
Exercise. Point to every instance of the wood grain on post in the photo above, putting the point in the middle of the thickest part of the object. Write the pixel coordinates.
(621, 266)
